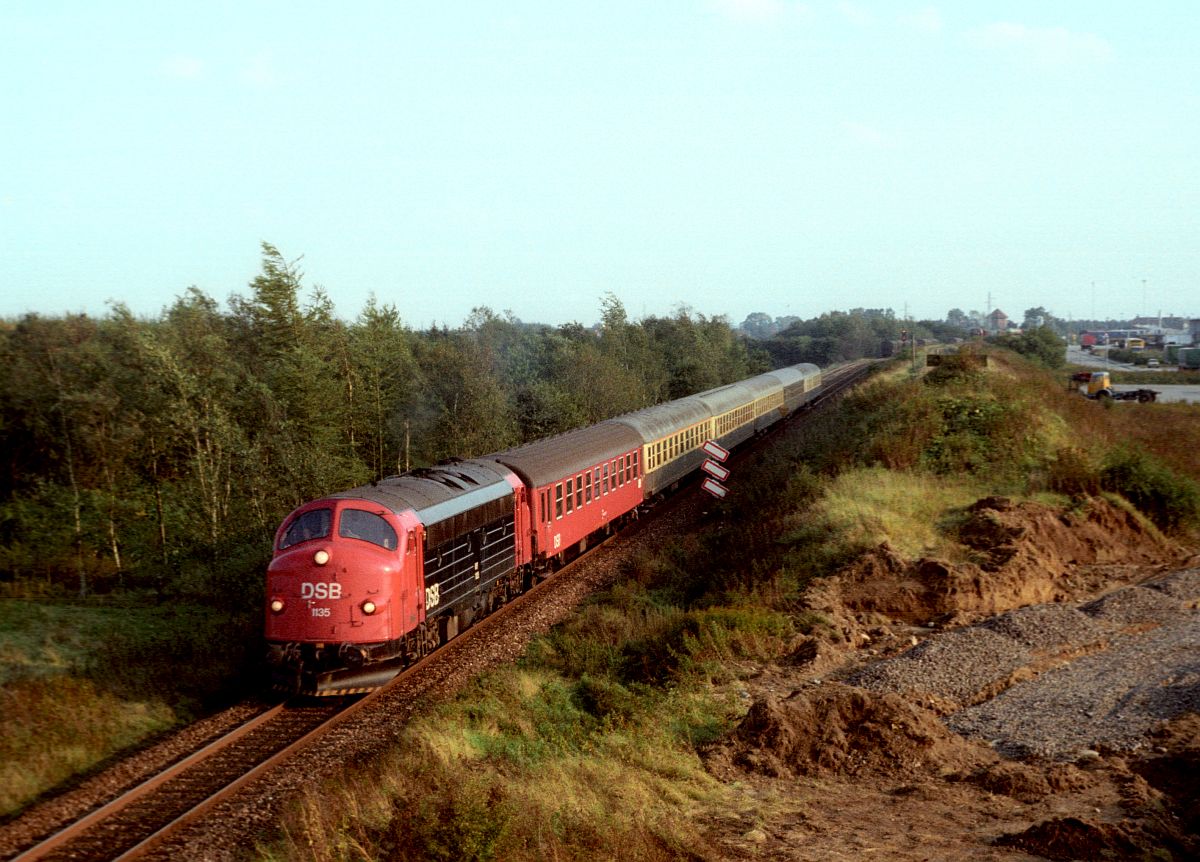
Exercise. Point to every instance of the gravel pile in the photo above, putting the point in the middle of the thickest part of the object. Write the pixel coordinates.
(1147, 672)
(1133, 606)
(1183, 585)
(1105, 701)
(957, 665)
(1049, 627)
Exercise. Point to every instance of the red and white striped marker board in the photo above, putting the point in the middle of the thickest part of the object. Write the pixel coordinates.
(716, 450)
(715, 470)
(715, 488)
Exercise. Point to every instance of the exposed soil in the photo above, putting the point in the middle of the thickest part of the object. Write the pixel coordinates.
(1041, 701)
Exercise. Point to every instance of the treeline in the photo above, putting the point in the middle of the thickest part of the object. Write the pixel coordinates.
(160, 454)
(839, 336)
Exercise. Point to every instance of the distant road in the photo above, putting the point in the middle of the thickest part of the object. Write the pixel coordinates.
(1166, 391)
(1097, 360)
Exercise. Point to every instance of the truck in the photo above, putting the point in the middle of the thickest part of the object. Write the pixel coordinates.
(1097, 385)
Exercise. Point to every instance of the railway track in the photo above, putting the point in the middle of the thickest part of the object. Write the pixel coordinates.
(838, 380)
(141, 818)
(144, 818)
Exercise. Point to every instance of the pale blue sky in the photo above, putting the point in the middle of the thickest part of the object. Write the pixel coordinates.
(730, 155)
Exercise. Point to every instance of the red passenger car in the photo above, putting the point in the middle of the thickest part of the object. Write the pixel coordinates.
(582, 482)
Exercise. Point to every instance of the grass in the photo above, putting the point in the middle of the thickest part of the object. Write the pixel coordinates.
(871, 505)
(521, 768)
(56, 727)
(82, 682)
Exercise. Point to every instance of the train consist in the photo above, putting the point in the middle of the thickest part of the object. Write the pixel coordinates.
(366, 581)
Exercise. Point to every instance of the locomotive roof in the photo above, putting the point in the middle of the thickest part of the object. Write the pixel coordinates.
(549, 460)
(436, 493)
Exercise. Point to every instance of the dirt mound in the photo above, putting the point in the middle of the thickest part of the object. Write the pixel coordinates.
(1173, 768)
(1024, 553)
(838, 729)
(876, 755)
(1030, 783)
(1069, 838)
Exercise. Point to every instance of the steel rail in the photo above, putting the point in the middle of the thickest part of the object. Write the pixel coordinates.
(153, 841)
(79, 827)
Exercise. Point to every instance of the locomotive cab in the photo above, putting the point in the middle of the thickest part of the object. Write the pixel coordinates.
(342, 590)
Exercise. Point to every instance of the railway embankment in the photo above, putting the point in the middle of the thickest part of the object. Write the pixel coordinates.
(932, 624)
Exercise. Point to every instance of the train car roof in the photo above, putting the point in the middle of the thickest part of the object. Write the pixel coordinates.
(725, 398)
(549, 460)
(790, 374)
(654, 423)
(436, 493)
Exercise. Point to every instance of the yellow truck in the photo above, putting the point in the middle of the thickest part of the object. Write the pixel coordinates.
(1097, 385)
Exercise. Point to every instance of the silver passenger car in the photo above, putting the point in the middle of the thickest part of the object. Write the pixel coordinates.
(673, 433)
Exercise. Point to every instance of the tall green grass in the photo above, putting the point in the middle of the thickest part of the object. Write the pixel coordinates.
(56, 727)
(82, 682)
(907, 509)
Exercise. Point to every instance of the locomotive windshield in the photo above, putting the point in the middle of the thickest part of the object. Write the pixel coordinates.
(313, 524)
(357, 524)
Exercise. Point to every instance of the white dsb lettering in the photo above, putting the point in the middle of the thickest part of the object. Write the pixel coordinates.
(320, 591)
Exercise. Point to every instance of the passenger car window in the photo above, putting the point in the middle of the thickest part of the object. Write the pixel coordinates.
(313, 524)
(367, 526)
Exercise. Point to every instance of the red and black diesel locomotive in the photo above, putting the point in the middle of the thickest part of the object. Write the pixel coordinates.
(366, 581)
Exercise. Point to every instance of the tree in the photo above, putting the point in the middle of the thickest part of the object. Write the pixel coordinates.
(758, 325)
(959, 318)
(1043, 345)
(463, 411)
(387, 379)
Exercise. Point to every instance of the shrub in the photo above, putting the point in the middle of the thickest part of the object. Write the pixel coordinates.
(1171, 501)
(1043, 345)
(955, 368)
(1073, 471)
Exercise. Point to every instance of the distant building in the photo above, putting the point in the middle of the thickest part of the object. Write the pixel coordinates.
(1162, 331)
(1160, 322)
(997, 322)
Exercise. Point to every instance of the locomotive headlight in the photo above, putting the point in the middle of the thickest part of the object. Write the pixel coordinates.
(368, 607)
(321, 557)
(276, 606)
